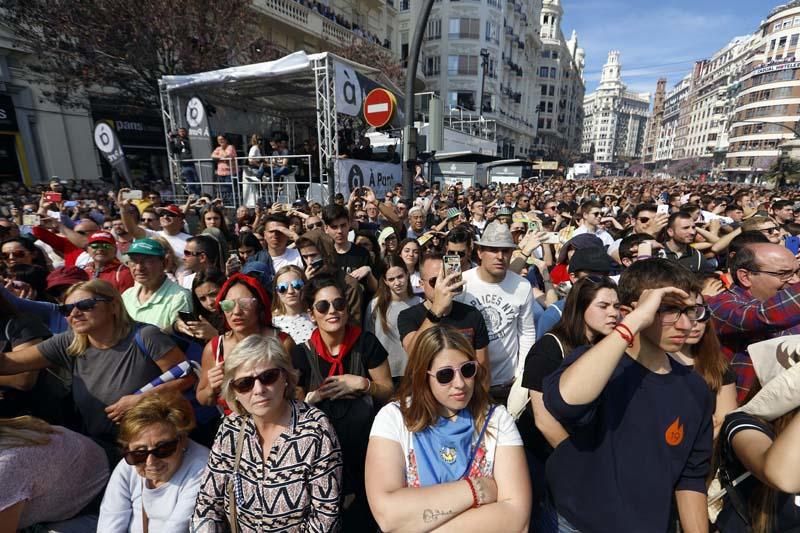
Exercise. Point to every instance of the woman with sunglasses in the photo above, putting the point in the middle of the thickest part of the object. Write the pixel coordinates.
(394, 295)
(343, 371)
(288, 313)
(154, 487)
(104, 357)
(703, 352)
(591, 312)
(245, 308)
(441, 454)
(276, 464)
(21, 251)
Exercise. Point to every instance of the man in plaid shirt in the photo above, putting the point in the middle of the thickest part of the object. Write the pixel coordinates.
(764, 302)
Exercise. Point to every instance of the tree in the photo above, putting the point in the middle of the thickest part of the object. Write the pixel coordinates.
(375, 56)
(123, 47)
(784, 171)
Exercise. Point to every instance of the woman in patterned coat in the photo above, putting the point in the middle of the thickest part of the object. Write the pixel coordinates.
(276, 463)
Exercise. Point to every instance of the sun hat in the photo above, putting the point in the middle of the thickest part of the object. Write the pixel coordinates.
(496, 235)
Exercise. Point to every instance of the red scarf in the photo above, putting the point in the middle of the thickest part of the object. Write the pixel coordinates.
(351, 335)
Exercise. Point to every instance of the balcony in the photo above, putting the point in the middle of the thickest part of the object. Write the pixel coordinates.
(298, 16)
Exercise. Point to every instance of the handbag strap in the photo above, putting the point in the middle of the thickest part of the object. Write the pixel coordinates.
(478, 442)
(232, 520)
(145, 518)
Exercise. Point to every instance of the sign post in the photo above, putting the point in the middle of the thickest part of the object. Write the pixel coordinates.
(379, 107)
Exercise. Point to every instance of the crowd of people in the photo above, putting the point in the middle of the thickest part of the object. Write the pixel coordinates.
(550, 355)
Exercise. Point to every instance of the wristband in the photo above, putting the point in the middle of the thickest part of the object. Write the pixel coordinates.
(369, 386)
(625, 333)
(475, 502)
(432, 317)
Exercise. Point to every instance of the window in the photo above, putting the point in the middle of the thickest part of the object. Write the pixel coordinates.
(462, 65)
(546, 54)
(552, 91)
(544, 89)
(793, 41)
(464, 99)
(777, 26)
(433, 65)
(404, 5)
(543, 72)
(549, 107)
(555, 55)
(434, 30)
(492, 32)
(462, 28)
(553, 72)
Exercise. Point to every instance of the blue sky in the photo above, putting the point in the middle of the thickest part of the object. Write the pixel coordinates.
(657, 38)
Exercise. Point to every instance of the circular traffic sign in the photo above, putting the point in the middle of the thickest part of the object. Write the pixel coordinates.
(379, 107)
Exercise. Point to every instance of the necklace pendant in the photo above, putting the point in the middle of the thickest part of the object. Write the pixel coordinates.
(448, 454)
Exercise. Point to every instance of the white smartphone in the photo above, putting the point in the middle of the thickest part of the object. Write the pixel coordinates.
(452, 264)
(662, 209)
(132, 195)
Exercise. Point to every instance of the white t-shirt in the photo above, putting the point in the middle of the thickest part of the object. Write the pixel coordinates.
(502, 431)
(602, 234)
(169, 507)
(290, 257)
(177, 242)
(506, 308)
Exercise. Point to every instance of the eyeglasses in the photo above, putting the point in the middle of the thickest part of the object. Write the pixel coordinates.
(323, 306)
(244, 304)
(189, 253)
(783, 276)
(773, 229)
(16, 254)
(314, 226)
(595, 213)
(101, 246)
(168, 215)
(446, 374)
(643, 220)
(460, 253)
(149, 219)
(671, 314)
(162, 451)
(296, 284)
(246, 384)
(83, 305)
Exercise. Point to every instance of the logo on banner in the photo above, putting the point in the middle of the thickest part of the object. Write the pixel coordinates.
(348, 90)
(195, 112)
(105, 139)
(355, 177)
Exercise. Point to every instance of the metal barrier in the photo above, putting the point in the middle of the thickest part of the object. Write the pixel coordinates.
(272, 179)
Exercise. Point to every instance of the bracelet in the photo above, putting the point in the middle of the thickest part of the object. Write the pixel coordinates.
(475, 502)
(626, 328)
(625, 336)
(640, 257)
(369, 386)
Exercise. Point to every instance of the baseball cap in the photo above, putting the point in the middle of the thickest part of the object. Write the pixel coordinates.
(385, 234)
(591, 259)
(102, 236)
(66, 275)
(146, 247)
(171, 209)
(578, 242)
(452, 212)
(256, 269)
(496, 235)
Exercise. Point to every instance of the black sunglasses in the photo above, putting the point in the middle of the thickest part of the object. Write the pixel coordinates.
(460, 253)
(162, 451)
(246, 384)
(83, 305)
(323, 306)
(448, 373)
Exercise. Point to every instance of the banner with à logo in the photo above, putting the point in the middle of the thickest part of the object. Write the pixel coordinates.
(106, 140)
(377, 175)
(199, 138)
(352, 88)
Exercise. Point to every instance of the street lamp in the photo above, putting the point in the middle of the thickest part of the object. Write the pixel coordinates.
(484, 65)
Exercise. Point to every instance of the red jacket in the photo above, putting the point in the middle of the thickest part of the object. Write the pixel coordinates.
(60, 244)
(115, 273)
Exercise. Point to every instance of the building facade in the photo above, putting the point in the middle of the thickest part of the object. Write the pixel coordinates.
(767, 105)
(615, 118)
(654, 122)
(668, 126)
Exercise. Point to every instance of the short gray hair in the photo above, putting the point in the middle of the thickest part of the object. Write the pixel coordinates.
(248, 353)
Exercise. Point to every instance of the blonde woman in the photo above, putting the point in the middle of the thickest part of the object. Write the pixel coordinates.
(48, 474)
(171, 263)
(101, 351)
(159, 476)
(271, 447)
(288, 313)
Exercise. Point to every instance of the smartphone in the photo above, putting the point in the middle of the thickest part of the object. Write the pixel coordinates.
(31, 220)
(452, 265)
(662, 209)
(533, 226)
(53, 197)
(71, 203)
(132, 195)
(316, 264)
(186, 316)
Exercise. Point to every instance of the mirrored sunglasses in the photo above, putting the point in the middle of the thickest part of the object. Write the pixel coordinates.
(296, 284)
(244, 303)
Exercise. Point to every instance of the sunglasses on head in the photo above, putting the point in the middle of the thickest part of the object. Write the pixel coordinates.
(283, 287)
(323, 306)
(446, 374)
(246, 384)
(83, 305)
(244, 303)
(162, 451)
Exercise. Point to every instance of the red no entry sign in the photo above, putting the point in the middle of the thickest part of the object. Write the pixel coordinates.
(379, 107)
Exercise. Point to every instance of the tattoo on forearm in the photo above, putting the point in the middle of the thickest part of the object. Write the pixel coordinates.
(432, 515)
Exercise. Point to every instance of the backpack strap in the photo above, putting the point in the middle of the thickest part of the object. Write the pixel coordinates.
(729, 484)
(137, 339)
(558, 341)
(478, 442)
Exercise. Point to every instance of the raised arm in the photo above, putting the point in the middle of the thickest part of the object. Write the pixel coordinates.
(127, 219)
(24, 360)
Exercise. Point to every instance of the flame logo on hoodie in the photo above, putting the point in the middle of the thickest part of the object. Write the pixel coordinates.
(674, 433)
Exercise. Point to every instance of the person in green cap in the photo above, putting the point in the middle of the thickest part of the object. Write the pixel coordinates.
(154, 298)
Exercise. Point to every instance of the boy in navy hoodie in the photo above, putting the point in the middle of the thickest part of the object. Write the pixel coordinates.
(639, 423)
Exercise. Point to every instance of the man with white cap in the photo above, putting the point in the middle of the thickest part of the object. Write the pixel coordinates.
(504, 300)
